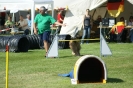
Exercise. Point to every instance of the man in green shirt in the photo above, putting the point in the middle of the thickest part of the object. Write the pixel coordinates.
(42, 24)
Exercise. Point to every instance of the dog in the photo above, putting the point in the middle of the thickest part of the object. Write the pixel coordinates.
(74, 44)
(75, 47)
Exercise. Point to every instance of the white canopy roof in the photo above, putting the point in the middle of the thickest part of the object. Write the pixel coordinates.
(131, 1)
(25, 4)
(74, 15)
(76, 7)
(57, 3)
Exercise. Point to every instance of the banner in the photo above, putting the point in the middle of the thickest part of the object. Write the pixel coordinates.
(115, 7)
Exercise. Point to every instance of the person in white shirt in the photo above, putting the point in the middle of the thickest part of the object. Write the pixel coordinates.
(23, 25)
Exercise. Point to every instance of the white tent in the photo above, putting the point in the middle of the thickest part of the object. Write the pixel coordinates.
(73, 17)
(76, 11)
(131, 1)
(25, 4)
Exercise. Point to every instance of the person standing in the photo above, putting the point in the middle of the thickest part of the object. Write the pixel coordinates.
(86, 26)
(60, 18)
(42, 24)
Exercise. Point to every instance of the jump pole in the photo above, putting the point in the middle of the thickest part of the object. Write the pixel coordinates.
(100, 39)
(7, 64)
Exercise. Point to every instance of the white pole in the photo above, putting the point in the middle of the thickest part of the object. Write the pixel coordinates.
(19, 13)
(100, 39)
(13, 17)
(52, 5)
(32, 16)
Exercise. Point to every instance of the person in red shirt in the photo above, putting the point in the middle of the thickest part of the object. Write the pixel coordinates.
(60, 18)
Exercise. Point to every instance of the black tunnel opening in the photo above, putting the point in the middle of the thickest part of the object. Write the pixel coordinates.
(91, 70)
(23, 44)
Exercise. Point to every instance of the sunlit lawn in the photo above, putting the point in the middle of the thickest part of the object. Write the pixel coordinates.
(33, 70)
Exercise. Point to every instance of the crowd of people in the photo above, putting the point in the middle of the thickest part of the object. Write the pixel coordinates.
(119, 32)
(43, 21)
(22, 24)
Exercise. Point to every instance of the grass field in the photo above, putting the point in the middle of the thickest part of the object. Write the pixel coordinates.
(32, 70)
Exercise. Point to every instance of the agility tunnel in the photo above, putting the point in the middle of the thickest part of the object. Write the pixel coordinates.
(34, 41)
(64, 44)
(22, 43)
(17, 43)
(90, 69)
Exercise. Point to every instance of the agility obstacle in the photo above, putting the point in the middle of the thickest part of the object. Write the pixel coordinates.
(22, 43)
(4, 30)
(18, 43)
(7, 64)
(90, 69)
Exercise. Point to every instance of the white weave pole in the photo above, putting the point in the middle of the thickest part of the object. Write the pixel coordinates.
(100, 39)
(104, 48)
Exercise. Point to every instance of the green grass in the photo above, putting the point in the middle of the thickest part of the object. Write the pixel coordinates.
(32, 70)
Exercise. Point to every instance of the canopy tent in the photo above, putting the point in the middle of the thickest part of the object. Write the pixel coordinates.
(73, 17)
(131, 1)
(76, 11)
(63, 3)
(26, 4)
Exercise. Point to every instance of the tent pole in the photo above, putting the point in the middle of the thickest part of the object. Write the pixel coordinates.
(52, 5)
(32, 16)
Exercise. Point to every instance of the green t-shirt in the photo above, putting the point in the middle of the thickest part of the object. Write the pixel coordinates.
(43, 22)
(9, 23)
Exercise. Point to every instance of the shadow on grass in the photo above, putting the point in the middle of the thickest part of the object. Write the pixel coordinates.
(70, 56)
(114, 80)
(65, 56)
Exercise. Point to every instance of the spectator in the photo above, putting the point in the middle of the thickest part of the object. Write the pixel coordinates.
(42, 22)
(9, 23)
(86, 26)
(114, 35)
(97, 23)
(23, 25)
(29, 20)
(60, 18)
(98, 20)
(2, 20)
(131, 30)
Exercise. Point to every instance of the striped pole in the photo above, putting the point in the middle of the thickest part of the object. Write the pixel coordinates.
(7, 57)
(5, 30)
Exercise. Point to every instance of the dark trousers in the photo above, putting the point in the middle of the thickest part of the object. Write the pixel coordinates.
(59, 28)
(26, 31)
(113, 38)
